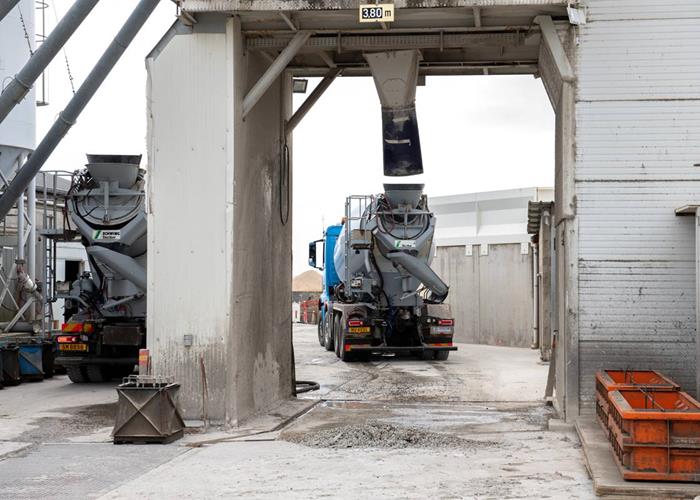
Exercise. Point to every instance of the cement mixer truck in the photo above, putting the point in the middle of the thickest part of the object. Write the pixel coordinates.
(105, 310)
(380, 294)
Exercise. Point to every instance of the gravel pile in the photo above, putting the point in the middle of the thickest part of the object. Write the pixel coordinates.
(379, 435)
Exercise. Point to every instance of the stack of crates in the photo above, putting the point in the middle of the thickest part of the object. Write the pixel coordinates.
(653, 427)
(607, 381)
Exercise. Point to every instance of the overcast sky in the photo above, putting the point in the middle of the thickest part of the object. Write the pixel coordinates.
(477, 133)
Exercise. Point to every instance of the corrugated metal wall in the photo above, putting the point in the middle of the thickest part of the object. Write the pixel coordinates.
(637, 137)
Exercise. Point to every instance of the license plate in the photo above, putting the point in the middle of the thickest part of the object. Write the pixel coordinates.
(377, 13)
(73, 347)
(440, 330)
(359, 329)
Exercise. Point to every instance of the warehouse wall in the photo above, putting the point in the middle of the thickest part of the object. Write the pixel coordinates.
(490, 295)
(637, 137)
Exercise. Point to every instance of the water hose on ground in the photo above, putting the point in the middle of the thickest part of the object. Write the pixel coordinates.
(303, 386)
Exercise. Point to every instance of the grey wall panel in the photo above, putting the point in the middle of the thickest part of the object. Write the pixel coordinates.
(505, 281)
(490, 295)
(638, 140)
(631, 60)
(637, 137)
(609, 10)
(461, 273)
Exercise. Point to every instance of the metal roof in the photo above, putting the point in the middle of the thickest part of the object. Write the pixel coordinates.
(534, 215)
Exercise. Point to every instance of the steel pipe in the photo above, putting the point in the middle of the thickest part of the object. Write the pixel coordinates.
(31, 241)
(82, 97)
(535, 297)
(22, 83)
(6, 6)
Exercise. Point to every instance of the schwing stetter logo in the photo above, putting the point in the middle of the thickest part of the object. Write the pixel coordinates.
(106, 235)
(405, 244)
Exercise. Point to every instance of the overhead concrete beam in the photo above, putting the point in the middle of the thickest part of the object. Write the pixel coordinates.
(274, 71)
(556, 48)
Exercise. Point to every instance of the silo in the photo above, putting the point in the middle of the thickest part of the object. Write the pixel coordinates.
(18, 131)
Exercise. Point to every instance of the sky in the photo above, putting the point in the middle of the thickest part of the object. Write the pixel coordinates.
(478, 133)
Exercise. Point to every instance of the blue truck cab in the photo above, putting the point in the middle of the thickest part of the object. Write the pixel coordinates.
(329, 277)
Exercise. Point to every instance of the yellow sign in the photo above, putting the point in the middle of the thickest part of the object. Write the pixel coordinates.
(377, 13)
(359, 329)
(72, 347)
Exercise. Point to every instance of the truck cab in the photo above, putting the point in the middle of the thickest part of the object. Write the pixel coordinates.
(329, 278)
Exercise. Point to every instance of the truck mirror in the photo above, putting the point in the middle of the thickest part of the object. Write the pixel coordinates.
(312, 254)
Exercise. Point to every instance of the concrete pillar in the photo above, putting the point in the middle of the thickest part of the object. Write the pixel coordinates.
(219, 261)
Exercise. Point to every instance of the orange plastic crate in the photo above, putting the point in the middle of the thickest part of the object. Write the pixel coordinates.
(655, 435)
(624, 380)
(620, 380)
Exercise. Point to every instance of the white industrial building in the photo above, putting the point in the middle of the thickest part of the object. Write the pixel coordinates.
(483, 252)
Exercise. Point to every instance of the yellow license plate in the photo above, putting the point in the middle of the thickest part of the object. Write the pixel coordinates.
(72, 347)
(359, 329)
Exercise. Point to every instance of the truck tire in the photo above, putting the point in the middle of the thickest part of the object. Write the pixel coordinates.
(427, 355)
(97, 373)
(77, 374)
(346, 356)
(336, 334)
(328, 334)
(319, 327)
(442, 355)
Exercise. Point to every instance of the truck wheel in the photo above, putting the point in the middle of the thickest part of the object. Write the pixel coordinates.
(427, 355)
(328, 334)
(442, 355)
(319, 327)
(77, 374)
(336, 334)
(97, 373)
(346, 356)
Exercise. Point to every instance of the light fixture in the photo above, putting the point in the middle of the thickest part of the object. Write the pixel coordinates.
(299, 85)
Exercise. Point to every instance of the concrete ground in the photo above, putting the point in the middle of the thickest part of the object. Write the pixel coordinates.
(470, 427)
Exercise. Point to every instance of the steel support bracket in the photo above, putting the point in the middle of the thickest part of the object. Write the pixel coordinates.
(275, 70)
(556, 48)
(309, 102)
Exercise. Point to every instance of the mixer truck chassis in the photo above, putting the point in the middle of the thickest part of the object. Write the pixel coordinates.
(92, 352)
(357, 332)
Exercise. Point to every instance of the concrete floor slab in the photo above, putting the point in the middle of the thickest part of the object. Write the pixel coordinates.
(70, 471)
(608, 481)
(286, 470)
(487, 400)
(25, 404)
(475, 373)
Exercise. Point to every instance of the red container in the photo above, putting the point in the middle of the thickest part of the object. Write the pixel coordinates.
(655, 435)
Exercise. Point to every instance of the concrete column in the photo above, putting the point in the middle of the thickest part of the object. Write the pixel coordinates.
(219, 261)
